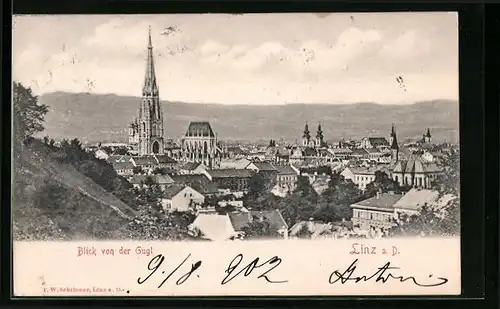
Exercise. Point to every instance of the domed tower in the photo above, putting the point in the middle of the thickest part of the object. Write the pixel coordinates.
(306, 137)
(319, 137)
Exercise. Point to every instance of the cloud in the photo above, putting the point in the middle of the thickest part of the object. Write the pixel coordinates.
(310, 55)
(211, 47)
(410, 44)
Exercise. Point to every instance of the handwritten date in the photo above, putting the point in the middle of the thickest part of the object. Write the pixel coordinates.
(249, 268)
(158, 260)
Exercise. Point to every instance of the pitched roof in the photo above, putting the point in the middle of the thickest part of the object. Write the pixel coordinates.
(159, 179)
(235, 150)
(122, 165)
(340, 151)
(265, 166)
(190, 166)
(359, 152)
(316, 228)
(230, 173)
(415, 166)
(165, 159)
(214, 226)
(416, 198)
(385, 201)
(200, 128)
(199, 182)
(286, 170)
(241, 219)
(173, 190)
(145, 160)
(372, 150)
(366, 170)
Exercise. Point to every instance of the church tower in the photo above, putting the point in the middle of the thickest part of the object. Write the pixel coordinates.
(150, 119)
(427, 136)
(319, 137)
(394, 144)
(306, 137)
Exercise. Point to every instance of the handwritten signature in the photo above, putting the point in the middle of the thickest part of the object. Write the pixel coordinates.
(381, 275)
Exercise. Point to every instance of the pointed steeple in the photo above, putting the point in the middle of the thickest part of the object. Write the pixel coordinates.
(394, 144)
(150, 87)
(428, 133)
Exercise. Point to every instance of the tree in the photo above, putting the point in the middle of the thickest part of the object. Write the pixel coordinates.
(259, 227)
(28, 115)
(336, 200)
(137, 170)
(160, 171)
(383, 184)
(445, 219)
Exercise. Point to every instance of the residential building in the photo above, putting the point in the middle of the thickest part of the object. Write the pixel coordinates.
(192, 168)
(101, 154)
(377, 211)
(234, 163)
(181, 198)
(384, 209)
(312, 229)
(199, 182)
(138, 181)
(123, 168)
(361, 176)
(147, 162)
(213, 226)
(165, 161)
(414, 199)
(340, 153)
(286, 178)
(233, 179)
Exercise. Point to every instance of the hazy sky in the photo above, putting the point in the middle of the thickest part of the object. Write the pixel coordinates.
(245, 59)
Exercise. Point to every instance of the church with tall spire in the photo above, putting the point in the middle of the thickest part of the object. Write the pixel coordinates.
(146, 131)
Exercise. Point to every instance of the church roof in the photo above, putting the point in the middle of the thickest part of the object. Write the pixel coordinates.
(415, 166)
(200, 128)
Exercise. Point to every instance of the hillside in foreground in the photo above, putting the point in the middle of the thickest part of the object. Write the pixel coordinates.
(96, 117)
(53, 201)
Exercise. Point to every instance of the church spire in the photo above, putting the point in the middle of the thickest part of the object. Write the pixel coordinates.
(150, 87)
(394, 144)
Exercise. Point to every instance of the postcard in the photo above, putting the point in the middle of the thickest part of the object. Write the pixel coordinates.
(236, 155)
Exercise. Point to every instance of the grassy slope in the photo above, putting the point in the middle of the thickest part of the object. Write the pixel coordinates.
(88, 210)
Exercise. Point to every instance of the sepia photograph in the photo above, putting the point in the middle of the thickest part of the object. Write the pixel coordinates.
(231, 129)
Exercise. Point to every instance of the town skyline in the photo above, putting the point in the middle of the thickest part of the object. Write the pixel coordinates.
(362, 50)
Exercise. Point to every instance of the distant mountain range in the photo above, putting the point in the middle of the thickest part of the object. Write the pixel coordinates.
(96, 117)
